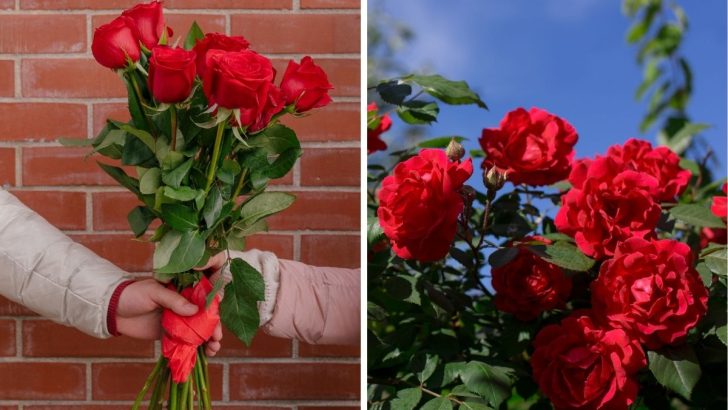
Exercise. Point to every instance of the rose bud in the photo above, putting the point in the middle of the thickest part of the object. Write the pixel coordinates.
(306, 85)
(374, 140)
(149, 21)
(171, 74)
(216, 41)
(455, 151)
(116, 44)
(494, 179)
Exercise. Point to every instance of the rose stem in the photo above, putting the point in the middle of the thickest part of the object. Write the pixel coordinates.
(239, 187)
(191, 397)
(183, 395)
(173, 131)
(205, 380)
(156, 401)
(201, 392)
(173, 396)
(138, 95)
(152, 378)
(215, 155)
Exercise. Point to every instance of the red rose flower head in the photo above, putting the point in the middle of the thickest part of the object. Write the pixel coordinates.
(216, 41)
(660, 162)
(419, 204)
(580, 365)
(534, 147)
(306, 85)
(528, 285)
(116, 44)
(607, 204)
(273, 106)
(149, 21)
(651, 290)
(183, 334)
(719, 207)
(171, 74)
(374, 141)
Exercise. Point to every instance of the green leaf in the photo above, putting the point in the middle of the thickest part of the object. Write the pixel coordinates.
(424, 365)
(375, 233)
(227, 171)
(239, 309)
(285, 161)
(565, 255)
(186, 254)
(263, 205)
(680, 141)
(394, 92)
(172, 160)
(182, 193)
(135, 109)
(165, 247)
(139, 219)
(697, 215)
(142, 135)
(462, 391)
(213, 206)
(717, 262)
(502, 256)
(75, 142)
(135, 152)
(179, 217)
(193, 35)
(418, 112)
(275, 140)
(676, 368)
(407, 399)
(705, 274)
(149, 182)
(492, 383)
(121, 177)
(439, 403)
(447, 91)
(439, 142)
(474, 405)
(177, 175)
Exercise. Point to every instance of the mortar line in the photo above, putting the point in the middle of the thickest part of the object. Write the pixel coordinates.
(89, 213)
(18, 166)
(18, 338)
(18, 89)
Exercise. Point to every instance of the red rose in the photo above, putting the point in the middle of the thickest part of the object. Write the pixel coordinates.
(719, 209)
(305, 85)
(533, 147)
(238, 80)
(579, 365)
(149, 21)
(719, 206)
(116, 43)
(419, 204)
(374, 142)
(607, 204)
(651, 290)
(183, 334)
(659, 162)
(273, 106)
(216, 41)
(528, 285)
(171, 74)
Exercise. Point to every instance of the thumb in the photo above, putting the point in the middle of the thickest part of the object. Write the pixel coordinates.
(173, 301)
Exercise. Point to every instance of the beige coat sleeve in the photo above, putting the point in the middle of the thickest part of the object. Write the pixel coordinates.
(316, 305)
(44, 270)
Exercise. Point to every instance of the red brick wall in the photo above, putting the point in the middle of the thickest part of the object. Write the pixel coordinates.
(50, 86)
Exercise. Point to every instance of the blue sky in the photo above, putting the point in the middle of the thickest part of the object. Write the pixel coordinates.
(566, 56)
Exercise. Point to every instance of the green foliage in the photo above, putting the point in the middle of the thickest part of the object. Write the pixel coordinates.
(240, 304)
(676, 368)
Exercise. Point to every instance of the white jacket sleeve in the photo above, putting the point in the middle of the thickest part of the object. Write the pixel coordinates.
(44, 270)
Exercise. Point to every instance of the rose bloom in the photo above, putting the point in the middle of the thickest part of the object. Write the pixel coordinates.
(607, 204)
(580, 365)
(171, 74)
(419, 204)
(528, 285)
(273, 106)
(651, 290)
(239, 80)
(305, 85)
(719, 209)
(216, 41)
(533, 147)
(116, 43)
(149, 21)
(374, 141)
(660, 162)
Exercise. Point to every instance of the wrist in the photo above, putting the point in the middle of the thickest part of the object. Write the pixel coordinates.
(111, 322)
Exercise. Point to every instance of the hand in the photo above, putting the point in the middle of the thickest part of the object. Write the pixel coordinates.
(140, 307)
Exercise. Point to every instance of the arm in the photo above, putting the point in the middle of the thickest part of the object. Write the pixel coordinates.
(317, 305)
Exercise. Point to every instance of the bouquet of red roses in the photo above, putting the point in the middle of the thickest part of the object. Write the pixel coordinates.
(204, 133)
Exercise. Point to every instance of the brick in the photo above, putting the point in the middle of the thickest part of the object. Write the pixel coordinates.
(331, 250)
(335, 122)
(7, 166)
(9, 308)
(7, 5)
(306, 350)
(319, 407)
(42, 338)
(69, 78)
(111, 208)
(121, 249)
(299, 33)
(76, 4)
(294, 381)
(76, 407)
(229, 4)
(330, 167)
(65, 210)
(330, 4)
(42, 33)
(7, 78)
(42, 381)
(7, 337)
(122, 381)
(103, 111)
(320, 210)
(41, 121)
(263, 346)
(180, 23)
(281, 245)
(64, 166)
